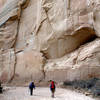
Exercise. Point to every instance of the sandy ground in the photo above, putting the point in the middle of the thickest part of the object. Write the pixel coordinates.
(22, 93)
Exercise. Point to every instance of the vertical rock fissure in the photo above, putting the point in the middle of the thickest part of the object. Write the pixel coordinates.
(11, 79)
(44, 63)
(43, 71)
(18, 26)
(15, 54)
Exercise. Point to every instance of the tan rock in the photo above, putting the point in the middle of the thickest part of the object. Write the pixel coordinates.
(7, 65)
(56, 28)
(29, 66)
(2, 2)
(64, 31)
(53, 31)
(9, 14)
(96, 21)
(27, 25)
(8, 33)
(81, 64)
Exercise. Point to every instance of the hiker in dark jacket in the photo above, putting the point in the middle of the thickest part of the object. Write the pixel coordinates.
(31, 86)
(52, 88)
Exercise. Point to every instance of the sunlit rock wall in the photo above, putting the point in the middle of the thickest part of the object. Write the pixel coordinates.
(49, 39)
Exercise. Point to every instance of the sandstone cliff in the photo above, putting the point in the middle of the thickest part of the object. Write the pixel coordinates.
(49, 39)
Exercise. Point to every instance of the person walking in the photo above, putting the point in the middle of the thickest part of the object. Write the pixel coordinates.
(52, 88)
(31, 86)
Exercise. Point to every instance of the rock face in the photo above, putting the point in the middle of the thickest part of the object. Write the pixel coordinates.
(80, 64)
(2, 2)
(48, 37)
(29, 66)
(7, 64)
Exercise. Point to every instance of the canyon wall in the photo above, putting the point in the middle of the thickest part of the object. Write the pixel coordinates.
(44, 40)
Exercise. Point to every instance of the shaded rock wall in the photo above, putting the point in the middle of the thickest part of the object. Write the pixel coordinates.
(50, 39)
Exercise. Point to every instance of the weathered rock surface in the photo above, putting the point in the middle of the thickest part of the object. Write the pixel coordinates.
(7, 65)
(54, 36)
(96, 17)
(80, 64)
(9, 15)
(29, 66)
(48, 34)
(25, 38)
(2, 2)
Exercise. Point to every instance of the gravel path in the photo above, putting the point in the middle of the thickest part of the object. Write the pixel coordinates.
(22, 93)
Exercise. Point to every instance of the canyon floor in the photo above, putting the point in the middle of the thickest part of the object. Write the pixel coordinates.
(41, 93)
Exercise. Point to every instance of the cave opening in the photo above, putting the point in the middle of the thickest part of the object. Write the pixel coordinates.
(90, 39)
(85, 35)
